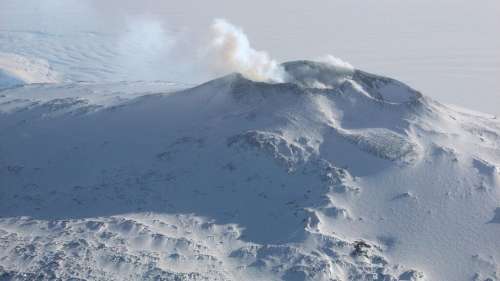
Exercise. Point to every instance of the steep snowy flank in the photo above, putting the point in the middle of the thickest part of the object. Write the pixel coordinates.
(336, 174)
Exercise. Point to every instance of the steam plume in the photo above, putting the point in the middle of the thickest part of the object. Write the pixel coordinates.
(232, 52)
(336, 62)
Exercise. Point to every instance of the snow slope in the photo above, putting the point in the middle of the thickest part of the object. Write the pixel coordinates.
(337, 174)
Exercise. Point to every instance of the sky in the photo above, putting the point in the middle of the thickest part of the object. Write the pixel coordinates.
(447, 49)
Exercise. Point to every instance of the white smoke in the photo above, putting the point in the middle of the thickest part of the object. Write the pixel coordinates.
(230, 51)
(135, 42)
(337, 63)
(143, 48)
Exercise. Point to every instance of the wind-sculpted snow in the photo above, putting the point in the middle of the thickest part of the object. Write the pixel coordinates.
(334, 175)
(383, 143)
(160, 247)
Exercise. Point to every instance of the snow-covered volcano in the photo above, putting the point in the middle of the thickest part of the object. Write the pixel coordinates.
(337, 174)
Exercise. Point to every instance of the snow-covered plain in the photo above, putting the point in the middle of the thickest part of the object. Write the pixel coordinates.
(317, 171)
